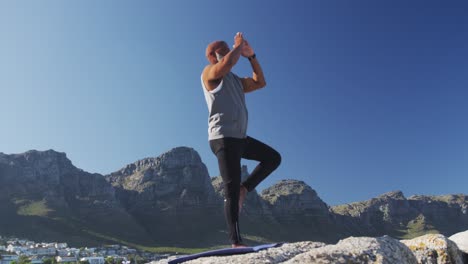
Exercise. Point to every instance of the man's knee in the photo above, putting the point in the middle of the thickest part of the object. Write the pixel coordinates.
(276, 159)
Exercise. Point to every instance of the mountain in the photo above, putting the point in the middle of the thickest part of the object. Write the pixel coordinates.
(42, 195)
(394, 214)
(171, 200)
(172, 197)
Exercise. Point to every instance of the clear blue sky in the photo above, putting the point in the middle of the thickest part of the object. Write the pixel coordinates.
(363, 97)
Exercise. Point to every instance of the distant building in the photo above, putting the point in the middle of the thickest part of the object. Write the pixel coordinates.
(29, 244)
(62, 252)
(61, 245)
(113, 246)
(16, 249)
(94, 260)
(66, 259)
(73, 251)
(44, 251)
(131, 251)
(7, 259)
(90, 250)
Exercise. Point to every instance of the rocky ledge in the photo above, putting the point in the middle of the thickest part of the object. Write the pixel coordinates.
(430, 248)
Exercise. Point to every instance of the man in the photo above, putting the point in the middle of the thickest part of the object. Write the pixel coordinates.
(227, 126)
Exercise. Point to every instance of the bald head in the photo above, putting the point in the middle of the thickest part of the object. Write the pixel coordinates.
(219, 47)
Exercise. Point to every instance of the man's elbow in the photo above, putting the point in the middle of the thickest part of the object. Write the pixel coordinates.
(261, 84)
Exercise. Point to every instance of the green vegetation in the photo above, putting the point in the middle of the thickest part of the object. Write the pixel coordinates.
(37, 208)
(22, 260)
(152, 249)
(418, 227)
(109, 260)
(137, 259)
(49, 261)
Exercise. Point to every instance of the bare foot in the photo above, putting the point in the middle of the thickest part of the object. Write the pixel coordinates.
(242, 195)
(238, 245)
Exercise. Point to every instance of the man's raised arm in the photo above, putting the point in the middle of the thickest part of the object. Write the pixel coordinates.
(213, 73)
(258, 79)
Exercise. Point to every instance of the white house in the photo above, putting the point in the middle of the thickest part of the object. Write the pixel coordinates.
(30, 244)
(16, 249)
(7, 259)
(73, 252)
(61, 245)
(90, 250)
(66, 259)
(94, 260)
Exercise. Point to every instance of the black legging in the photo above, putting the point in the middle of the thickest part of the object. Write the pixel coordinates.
(229, 152)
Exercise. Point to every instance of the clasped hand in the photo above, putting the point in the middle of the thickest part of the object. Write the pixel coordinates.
(246, 49)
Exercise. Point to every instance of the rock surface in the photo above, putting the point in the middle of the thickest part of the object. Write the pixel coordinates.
(461, 239)
(356, 250)
(433, 249)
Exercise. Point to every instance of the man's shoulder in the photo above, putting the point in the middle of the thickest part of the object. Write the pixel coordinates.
(208, 67)
(205, 70)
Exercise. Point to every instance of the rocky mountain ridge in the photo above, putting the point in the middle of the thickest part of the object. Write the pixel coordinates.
(171, 200)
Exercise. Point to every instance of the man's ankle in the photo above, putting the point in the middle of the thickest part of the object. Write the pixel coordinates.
(238, 245)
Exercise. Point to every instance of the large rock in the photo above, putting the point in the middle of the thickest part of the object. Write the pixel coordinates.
(359, 250)
(461, 239)
(271, 255)
(429, 249)
(434, 248)
(352, 250)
